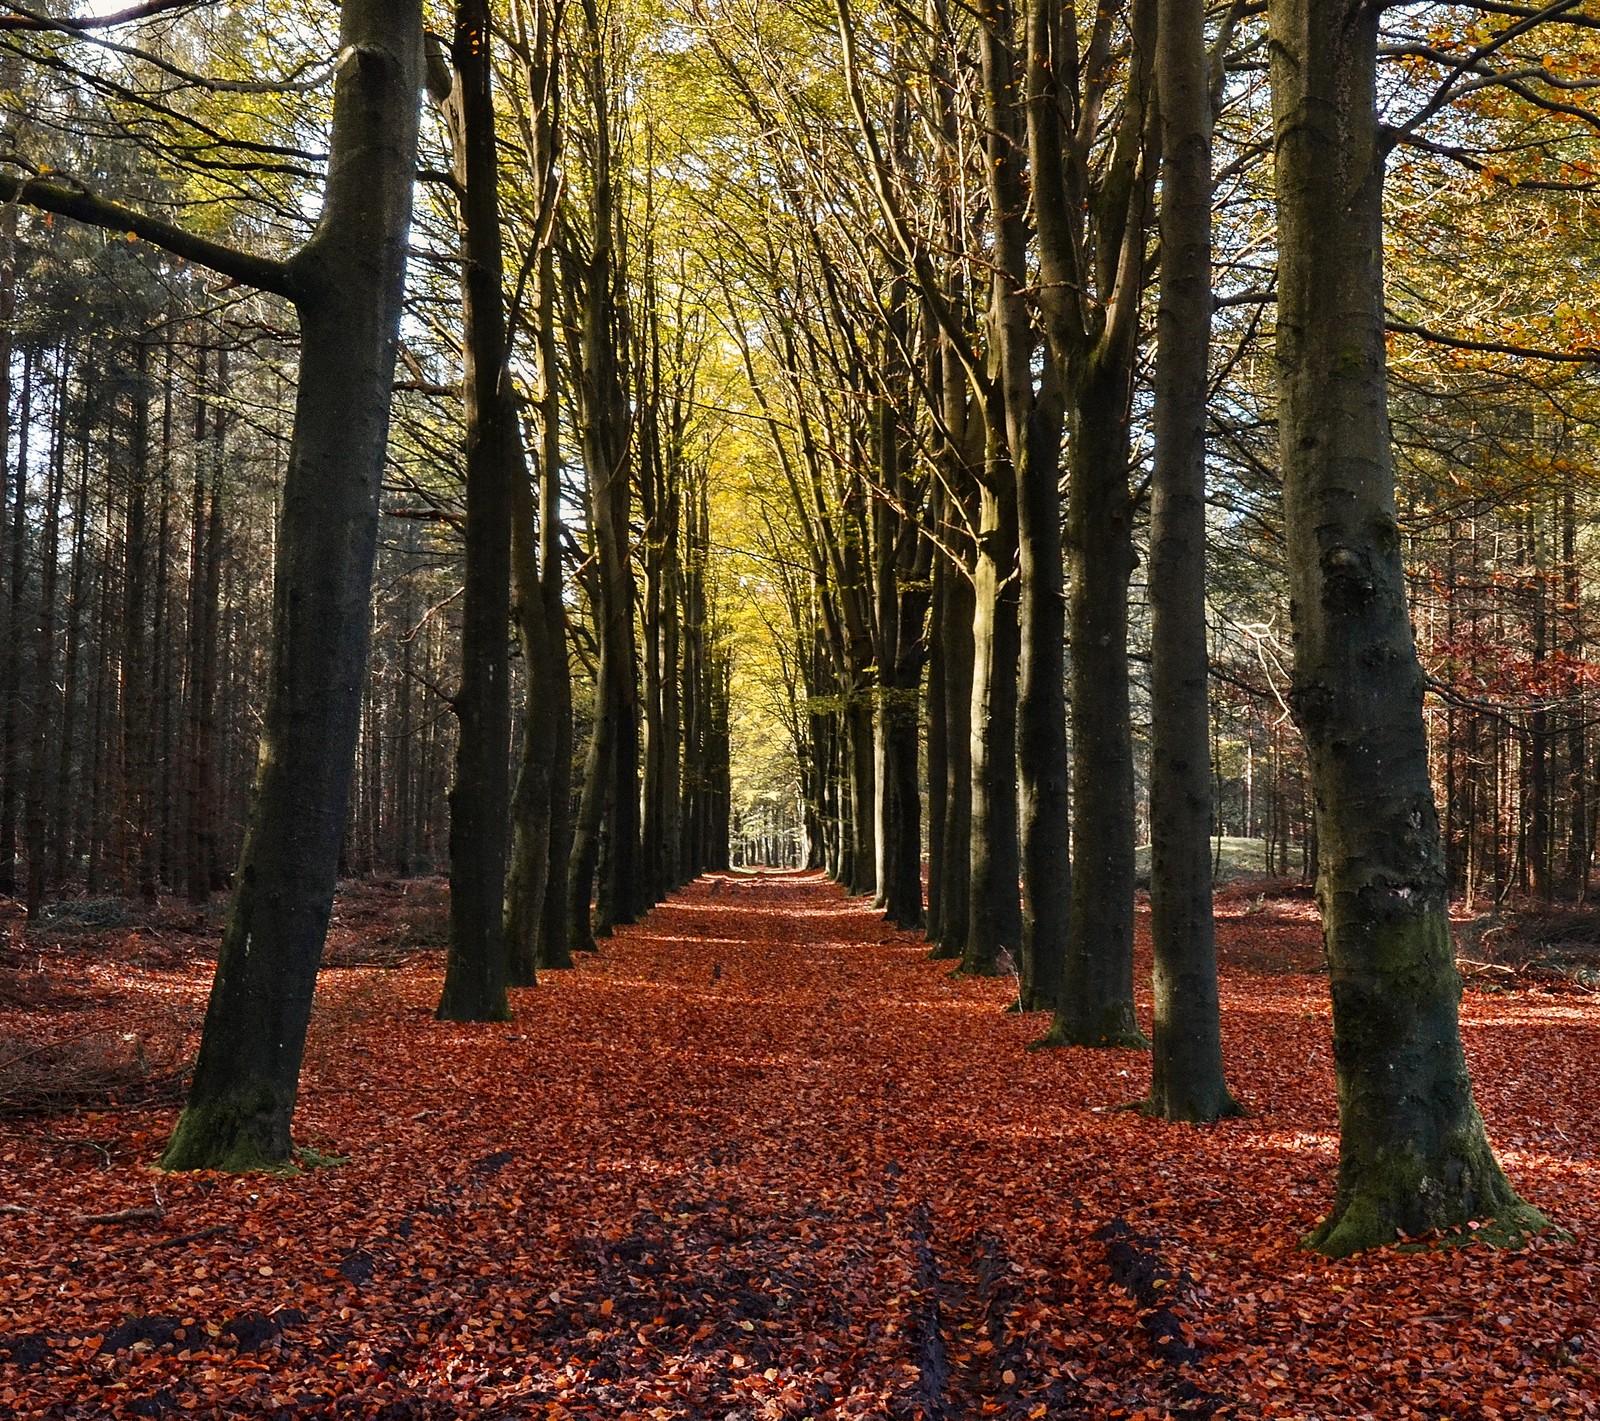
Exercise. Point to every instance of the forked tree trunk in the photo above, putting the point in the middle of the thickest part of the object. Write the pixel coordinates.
(1035, 408)
(1413, 1153)
(1186, 1080)
(348, 283)
(536, 901)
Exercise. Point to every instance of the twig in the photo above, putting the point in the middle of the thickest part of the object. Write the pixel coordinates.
(122, 1216)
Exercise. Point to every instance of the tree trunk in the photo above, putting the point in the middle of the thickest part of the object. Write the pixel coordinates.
(349, 280)
(1186, 1081)
(528, 879)
(45, 721)
(1097, 993)
(11, 688)
(1413, 1153)
(476, 968)
(994, 908)
(536, 903)
(137, 737)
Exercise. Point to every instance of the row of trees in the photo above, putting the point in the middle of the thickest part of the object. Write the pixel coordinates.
(857, 365)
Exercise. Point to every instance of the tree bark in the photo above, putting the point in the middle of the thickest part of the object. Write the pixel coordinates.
(476, 967)
(347, 284)
(1187, 1081)
(994, 907)
(1413, 1153)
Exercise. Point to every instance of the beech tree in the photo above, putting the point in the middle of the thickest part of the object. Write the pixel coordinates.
(346, 285)
(475, 981)
(1187, 1081)
(1413, 1153)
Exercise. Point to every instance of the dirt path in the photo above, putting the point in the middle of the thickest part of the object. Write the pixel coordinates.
(762, 1159)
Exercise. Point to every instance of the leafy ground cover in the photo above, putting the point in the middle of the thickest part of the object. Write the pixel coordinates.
(761, 1159)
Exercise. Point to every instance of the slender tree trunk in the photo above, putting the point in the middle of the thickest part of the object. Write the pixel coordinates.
(994, 907)
(137, 735)
(1413, 1154)
(11, 689)
(45, 720)
(1187, 1081)
(557, 928)
(67, 800)
(935, 711)
(536, 919)
(528, 879)
(349, 280)
(957, 637)
(1540, 839)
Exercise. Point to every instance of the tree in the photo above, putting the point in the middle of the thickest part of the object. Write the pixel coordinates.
(1187, 1081)
(476, 970)
(1413, 1154)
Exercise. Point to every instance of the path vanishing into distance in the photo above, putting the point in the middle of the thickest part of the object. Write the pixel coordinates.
(761, 1158)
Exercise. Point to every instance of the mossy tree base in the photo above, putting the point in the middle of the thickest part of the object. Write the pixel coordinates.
(1414, 1158)
(243, 1133)
(1116, 1028)
(1367, 1224)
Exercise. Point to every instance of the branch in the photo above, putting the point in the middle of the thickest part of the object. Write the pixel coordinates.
(1583, 355)
(265, 273)
(23, 20)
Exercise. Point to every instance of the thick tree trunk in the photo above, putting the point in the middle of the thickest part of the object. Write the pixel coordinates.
(349, 281)
(1097, 992)
(1413, 1153)
(1024, 120)
(1186, 1081)
(476, 967)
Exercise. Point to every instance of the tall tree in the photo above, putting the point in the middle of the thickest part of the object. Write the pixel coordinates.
(1187, 1081)
(1413, 1152)
(476, 968)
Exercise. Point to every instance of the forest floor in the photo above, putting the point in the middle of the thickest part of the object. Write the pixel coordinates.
(760, 1158)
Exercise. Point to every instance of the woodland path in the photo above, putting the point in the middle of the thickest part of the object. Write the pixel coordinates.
(760, 1158)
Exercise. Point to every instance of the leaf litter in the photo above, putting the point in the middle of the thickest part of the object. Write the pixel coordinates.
(760, 1159)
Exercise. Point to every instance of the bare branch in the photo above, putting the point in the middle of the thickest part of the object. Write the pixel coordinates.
(81, 205)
